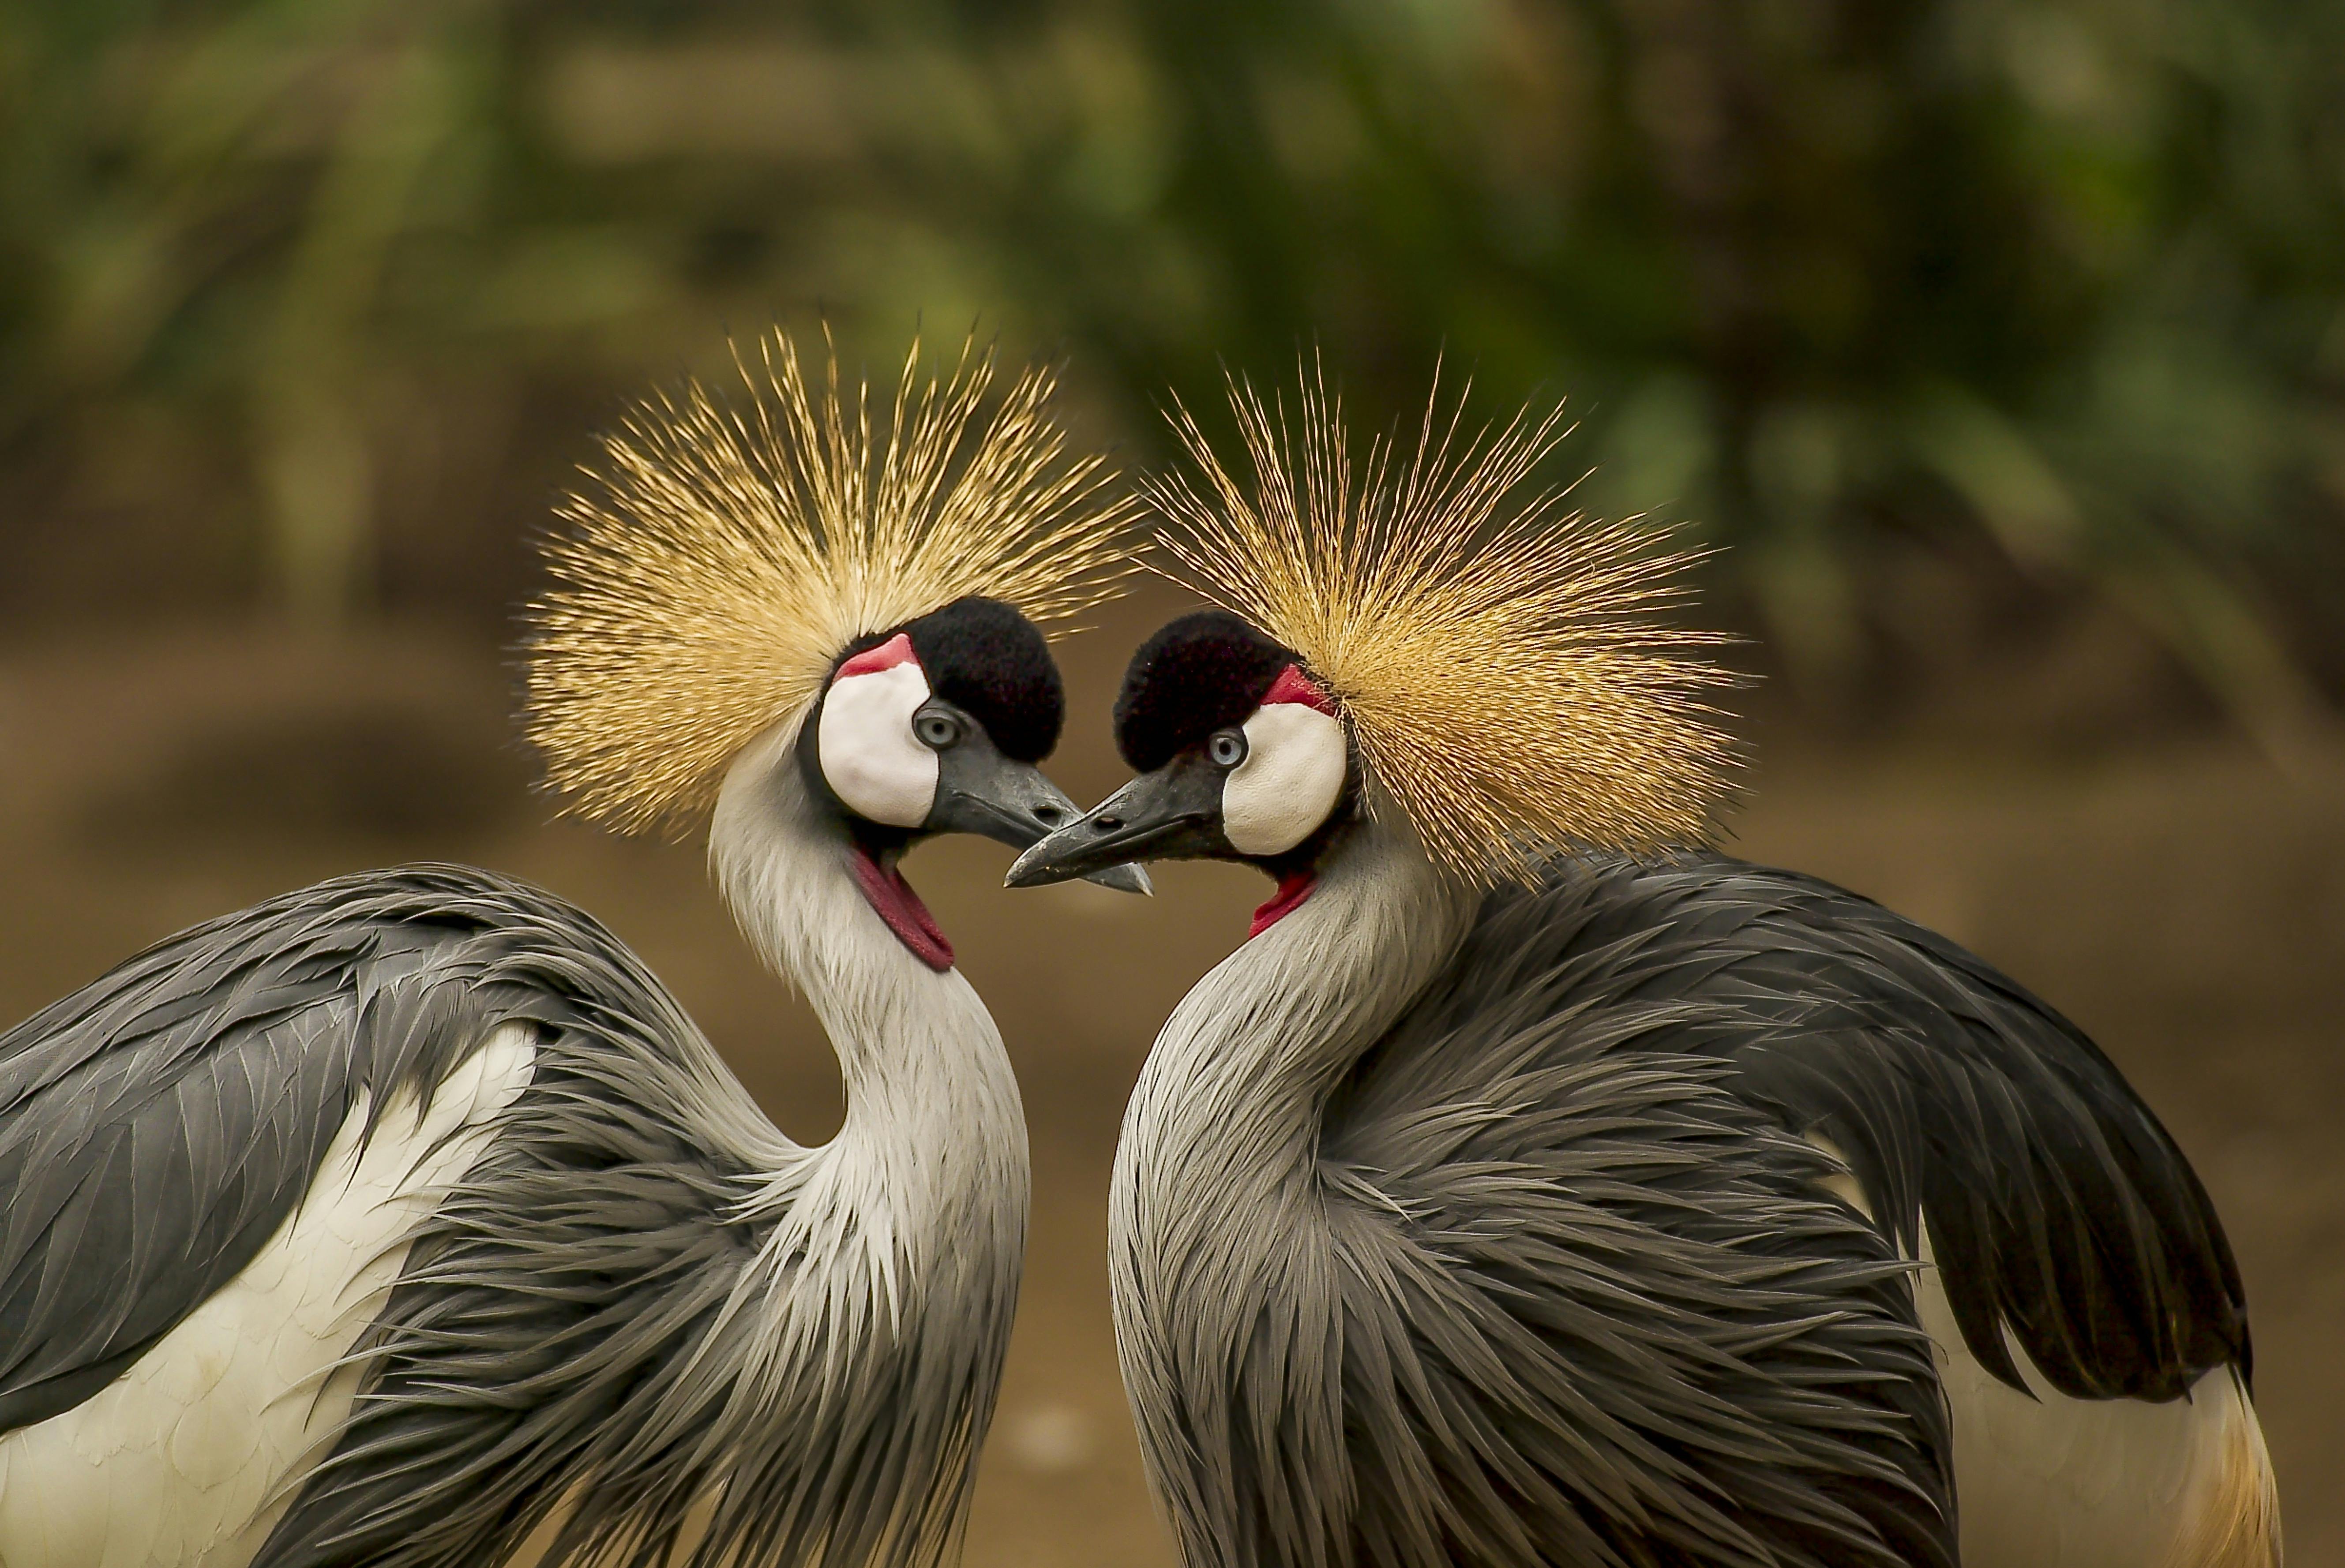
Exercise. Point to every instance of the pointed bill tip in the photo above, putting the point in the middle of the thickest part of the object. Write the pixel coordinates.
(1128, 878)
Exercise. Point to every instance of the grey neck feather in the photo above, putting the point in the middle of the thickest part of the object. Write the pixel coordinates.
(1248, 1058)
(902, 1239)
(1216, 1175)
(934, 1129)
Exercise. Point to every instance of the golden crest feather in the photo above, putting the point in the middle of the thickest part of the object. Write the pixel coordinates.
(728, 554)
(1494, 660)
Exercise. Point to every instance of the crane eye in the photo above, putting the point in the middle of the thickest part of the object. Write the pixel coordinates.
(938, 732)
(1227, 748)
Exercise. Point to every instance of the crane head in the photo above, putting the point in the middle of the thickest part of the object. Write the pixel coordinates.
(939, 727)
(734, 551)
(1242, 754)
(1485, 661)
(1421, 636)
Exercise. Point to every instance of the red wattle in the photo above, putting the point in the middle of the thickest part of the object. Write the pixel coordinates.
(1292, 889)
(885, 889)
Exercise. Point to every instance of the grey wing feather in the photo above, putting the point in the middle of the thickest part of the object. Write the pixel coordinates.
(2057, 1203)
(543, 1331)
(1603, 1310)
(158, 1125)
(563, 1334)
(1597, 1231)
(155, 1129)
(559, 1333)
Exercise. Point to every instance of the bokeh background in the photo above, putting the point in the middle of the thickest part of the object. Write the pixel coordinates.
(2000, 344)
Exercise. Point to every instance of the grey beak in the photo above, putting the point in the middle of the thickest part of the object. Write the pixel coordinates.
(1172, 813)
(980, 791)
(1129, 877)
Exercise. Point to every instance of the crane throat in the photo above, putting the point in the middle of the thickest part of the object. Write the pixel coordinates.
(892, 898)
(1292, 889)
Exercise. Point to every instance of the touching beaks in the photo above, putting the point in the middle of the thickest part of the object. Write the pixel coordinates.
(1172, 813)
(980, 791)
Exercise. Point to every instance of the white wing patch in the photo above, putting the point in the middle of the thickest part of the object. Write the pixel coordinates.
(2059, 1483)
(190, 1456)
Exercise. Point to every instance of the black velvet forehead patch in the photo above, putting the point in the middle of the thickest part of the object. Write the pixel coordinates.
(1202, 673)
(989, 660)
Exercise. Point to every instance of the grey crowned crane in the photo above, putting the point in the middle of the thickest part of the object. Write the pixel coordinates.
(1536, 1185)
(398, 1218)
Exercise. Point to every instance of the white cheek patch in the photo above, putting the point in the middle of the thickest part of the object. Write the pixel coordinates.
(1289, 781)
(868, 753)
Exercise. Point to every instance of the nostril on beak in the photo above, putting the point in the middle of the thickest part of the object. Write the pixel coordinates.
(1048, 814)
(1107, 824)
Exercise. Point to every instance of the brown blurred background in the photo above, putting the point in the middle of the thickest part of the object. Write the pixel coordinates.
(2000, 344)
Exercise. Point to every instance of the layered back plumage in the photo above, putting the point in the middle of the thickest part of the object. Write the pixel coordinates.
(727, 552)
(1492, 650)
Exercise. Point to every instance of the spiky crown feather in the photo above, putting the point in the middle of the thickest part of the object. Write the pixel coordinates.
(728, 554)
(1494, 660)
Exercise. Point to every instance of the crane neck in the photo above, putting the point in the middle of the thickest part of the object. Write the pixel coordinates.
(934, 1134)
(1220, 1202)
(1249, 1057)
(863, 1335)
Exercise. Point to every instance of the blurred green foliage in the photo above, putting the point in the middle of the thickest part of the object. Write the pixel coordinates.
(2057, 284)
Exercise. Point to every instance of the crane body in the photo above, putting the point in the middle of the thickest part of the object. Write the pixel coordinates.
(1567, 1177)
(408, 1220)
(376, 1115)
(1538, 1186)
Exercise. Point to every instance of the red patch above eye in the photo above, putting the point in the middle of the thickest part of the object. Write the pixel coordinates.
(897, 650)
(1293, 686)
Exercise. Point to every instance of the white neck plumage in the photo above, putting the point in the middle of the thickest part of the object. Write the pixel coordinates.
(921, 1201)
